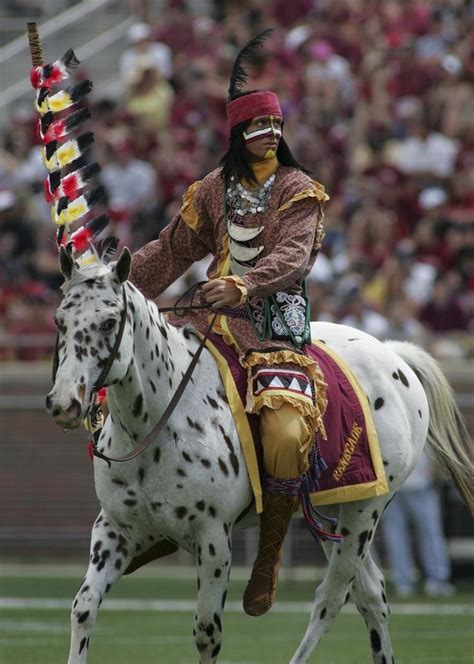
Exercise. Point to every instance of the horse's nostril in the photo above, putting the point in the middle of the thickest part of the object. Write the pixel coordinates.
(75, 408)
(48, 401)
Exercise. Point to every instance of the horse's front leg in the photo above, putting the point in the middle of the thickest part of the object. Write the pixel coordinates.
(109, 557)
(213, 557)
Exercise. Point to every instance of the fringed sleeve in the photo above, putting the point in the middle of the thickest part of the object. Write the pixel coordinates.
(237, 281)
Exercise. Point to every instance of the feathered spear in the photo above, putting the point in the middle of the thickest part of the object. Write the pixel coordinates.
(65, 191)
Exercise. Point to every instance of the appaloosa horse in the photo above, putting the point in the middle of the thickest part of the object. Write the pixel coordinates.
(190, 486)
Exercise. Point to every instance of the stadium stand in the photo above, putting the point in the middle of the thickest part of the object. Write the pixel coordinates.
(378, 104)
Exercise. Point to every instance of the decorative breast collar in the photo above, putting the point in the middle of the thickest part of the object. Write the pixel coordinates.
(239, 203)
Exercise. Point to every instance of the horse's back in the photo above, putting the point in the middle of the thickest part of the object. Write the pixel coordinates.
(367, 357)
(397, 399)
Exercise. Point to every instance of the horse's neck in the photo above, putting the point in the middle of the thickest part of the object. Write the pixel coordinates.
(160, 358)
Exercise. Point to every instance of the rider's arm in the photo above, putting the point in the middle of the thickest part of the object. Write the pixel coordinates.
(184, 241)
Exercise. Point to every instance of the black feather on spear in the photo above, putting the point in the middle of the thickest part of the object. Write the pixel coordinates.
(247, 56)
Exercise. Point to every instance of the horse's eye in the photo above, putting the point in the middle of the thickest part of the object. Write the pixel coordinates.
(108, 325)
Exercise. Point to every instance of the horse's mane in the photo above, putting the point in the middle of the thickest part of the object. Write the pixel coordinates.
(106, 249)
(93, 263)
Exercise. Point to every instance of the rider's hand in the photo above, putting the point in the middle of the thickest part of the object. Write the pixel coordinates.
(222, 293)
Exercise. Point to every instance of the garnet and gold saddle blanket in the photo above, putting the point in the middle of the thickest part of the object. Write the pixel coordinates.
(353, 463)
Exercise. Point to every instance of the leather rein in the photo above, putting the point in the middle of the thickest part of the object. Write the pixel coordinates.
(160, 425)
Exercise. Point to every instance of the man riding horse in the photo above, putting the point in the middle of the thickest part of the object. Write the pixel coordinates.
(260, 216)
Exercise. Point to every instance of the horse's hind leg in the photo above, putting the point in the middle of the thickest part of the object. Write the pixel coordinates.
(357, 524)
(213, 568)
(109, 556)
(368, 592)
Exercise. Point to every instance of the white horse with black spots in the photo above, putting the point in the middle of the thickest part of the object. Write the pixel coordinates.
(190, 486)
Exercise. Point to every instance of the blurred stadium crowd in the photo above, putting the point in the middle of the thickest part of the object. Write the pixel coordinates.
(378, 100)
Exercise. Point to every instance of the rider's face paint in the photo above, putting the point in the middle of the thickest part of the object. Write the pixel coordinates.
(263, 135)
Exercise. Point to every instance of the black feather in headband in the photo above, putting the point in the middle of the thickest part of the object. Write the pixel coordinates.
(246, 57)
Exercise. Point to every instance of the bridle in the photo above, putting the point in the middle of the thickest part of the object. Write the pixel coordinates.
(113, 353)
(100, 382)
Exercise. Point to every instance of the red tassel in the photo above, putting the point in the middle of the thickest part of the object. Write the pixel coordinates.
(56, 130)
(45, 77)
(55, 72)
(56, 76)
(71, 185)
(80, 239)
(90, 449)
(35, 77)
(101, 395)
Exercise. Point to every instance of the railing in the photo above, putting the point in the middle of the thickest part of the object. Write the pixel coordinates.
(15, 60)
(52, 26)
(17, 90)
(35, 340)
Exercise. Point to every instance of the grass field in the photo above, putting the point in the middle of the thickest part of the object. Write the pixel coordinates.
(134, 628)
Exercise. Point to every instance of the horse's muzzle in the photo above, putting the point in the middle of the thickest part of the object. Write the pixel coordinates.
(67, 417)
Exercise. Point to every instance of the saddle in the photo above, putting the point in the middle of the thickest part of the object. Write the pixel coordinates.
(346, 465)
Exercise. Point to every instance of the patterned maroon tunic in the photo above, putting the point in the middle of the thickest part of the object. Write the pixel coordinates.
(291, 236)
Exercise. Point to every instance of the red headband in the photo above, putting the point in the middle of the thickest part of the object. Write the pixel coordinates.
(251, 106)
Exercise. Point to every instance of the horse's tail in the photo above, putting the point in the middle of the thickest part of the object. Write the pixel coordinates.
(447, 431)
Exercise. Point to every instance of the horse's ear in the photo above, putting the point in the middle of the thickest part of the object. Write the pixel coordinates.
(123, 264)
(66, 262)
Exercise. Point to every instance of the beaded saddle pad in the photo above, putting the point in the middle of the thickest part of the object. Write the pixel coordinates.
(353, 467)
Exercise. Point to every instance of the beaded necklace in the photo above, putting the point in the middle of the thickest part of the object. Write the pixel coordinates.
(243, 201)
